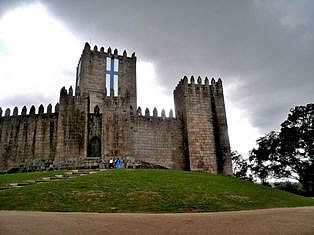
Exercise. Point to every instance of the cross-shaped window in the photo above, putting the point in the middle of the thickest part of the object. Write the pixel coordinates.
(112, 75)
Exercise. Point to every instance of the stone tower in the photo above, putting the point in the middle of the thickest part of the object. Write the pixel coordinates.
(202, 110)
(101, 74)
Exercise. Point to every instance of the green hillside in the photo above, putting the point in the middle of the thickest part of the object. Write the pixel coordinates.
(146, 191)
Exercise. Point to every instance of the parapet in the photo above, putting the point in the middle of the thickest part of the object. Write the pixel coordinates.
(41, 111)
(101, 53)
(200, 87)
(155, 114)
(67, 97)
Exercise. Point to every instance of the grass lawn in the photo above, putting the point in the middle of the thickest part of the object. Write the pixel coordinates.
(122, 190)
(23, 177)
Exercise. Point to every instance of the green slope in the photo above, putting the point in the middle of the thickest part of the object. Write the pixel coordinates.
(147, 191)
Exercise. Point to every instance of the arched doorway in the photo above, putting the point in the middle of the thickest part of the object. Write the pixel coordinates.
(94, 147)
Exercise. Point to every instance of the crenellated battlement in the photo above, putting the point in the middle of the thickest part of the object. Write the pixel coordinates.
(154, 115)
(108, 53)
(200, 86)
(32, 111)
(69, 97)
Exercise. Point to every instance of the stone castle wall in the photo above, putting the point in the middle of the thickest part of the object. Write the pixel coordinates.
(158, 140)
(151, 139)
(192, 140)
(27, 137)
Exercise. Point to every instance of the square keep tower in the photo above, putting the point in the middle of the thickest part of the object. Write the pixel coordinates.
(100, 74)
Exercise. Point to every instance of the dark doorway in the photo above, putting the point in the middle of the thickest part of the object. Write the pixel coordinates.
(94, 147)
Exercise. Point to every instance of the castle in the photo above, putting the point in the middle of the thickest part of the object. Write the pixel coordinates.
(101, 120)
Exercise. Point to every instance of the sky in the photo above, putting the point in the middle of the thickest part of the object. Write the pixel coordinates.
(262, 50)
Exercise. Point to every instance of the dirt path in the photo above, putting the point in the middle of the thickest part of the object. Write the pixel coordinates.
(270, 221)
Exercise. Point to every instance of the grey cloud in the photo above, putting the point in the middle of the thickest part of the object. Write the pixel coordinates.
(6, 5)
(267, 46)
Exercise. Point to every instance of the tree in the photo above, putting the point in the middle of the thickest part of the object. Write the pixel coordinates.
(261, 159)
(240, 166)
(297, 145)
(288, 153)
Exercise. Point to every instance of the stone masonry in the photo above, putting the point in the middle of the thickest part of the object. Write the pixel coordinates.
(96, 122)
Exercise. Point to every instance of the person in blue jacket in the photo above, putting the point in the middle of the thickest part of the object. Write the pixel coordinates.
(118, 163)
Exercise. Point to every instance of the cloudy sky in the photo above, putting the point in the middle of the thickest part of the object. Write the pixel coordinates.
(262, 50)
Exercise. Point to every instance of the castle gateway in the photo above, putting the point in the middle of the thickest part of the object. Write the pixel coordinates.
(101, 120)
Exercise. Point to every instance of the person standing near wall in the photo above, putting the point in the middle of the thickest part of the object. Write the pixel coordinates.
(118, 165)
(110, 163)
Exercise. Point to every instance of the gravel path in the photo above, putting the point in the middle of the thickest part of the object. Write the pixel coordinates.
(269, 221)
